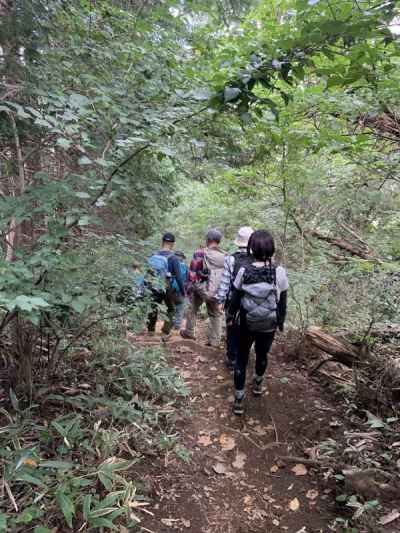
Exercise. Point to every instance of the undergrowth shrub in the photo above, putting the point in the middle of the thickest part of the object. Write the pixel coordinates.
(73, 452)
(94, 283)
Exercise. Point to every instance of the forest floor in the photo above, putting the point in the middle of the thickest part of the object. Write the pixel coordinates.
(239, 478)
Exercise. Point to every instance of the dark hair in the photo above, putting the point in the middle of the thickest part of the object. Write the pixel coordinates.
(168, 237)
(214, 235)
(261, 245)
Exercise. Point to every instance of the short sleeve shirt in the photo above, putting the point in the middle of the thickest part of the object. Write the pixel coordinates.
(282, 282)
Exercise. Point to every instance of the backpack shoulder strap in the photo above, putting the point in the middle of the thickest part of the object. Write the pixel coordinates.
(241, 259)
(204, 258)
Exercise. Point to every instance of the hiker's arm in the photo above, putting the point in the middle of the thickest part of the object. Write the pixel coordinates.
(176, 272)
(236, 297)
(282, 306)
(225, 283)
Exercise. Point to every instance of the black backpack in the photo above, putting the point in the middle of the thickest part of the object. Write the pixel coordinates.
(241, 260)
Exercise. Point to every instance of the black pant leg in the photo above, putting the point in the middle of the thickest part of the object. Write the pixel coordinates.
(170, 302)
(263, 343)
(232, 339)
(157, 298)
(245, 341)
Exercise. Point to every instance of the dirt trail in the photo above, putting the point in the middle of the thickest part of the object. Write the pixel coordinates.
(235, 481)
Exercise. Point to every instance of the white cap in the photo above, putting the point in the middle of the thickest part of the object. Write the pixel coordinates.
(243, 235)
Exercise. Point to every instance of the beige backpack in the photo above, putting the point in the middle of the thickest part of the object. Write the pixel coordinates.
(214, 261)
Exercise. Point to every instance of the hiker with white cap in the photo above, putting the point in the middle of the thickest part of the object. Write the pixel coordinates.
(232, 265)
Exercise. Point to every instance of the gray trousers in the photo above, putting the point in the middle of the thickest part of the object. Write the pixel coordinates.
(180, 305)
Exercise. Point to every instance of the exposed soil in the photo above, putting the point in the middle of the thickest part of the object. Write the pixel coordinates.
(236, 481)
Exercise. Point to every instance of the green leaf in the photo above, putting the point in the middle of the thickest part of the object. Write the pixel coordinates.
(166, 151)
(199, 94)
(14, 400)
(41, 529)
(246, 118)
(102, 522)
(117, 466)
(105, 480)
(87, 502)
(25, 517)
(273, 107)
(84, 160)
(64, 143)
(28, 478)
(84, 221)
(374, 421)
(3, 522)
(64, 465)
(60, 428)
(78, 306)
(231, 93)
(39, 302)
(66, 505)
(78, 100)
(27, 303)
(41, 122)
(82, 194)
(20, 110)
(103, 511)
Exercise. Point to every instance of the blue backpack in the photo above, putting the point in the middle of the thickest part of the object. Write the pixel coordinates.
(184, 271)
(159, 265)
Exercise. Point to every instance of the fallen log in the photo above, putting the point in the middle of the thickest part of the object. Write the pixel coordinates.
(359, 251)
(341, 350)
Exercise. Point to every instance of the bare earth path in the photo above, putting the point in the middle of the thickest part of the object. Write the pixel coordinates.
(235, 481)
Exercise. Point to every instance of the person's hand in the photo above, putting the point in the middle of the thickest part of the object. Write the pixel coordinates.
(221, 308)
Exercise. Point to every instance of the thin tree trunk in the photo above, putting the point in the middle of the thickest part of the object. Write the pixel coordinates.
(14, 234)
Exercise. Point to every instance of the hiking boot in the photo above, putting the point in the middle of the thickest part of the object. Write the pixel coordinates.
(237, 407)
(257, 388)
(185, 335)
